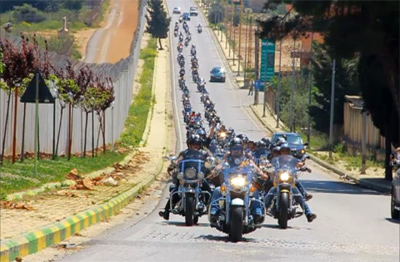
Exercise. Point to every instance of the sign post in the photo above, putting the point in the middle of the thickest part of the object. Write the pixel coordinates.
(267, 60)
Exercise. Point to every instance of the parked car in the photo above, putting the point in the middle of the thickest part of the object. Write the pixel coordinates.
(395, 196)
(193, 11)
(217, 74)
(186, 16)
(294, 140)
(177, 10)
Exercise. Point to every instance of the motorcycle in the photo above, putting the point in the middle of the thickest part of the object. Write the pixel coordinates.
(182, 63)
(182, 83)
(180, 48)
(238, 193)
(186, 42)
(175, 33)
(199, 30)
(193, 52)
(192, 199)
(201, 87)
(195, 76)
(180, 19)
(285, 176)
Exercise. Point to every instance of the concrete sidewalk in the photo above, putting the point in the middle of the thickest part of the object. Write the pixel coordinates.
(58, 214)
(372, 181)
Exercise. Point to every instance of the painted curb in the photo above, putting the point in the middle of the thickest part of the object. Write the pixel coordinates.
(35, 241)
(360, 182)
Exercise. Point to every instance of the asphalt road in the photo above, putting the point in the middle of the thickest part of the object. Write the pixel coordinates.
(353, 224)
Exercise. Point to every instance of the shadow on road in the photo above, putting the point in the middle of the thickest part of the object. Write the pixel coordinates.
(223, 239)
(395, 221)
(322, 186)
(182, 224)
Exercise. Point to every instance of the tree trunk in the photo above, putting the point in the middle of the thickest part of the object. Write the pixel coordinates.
(86, 125)
(15, 125)
(23, 135)
(104, 131)
(98, 132)
(159, 41)
(92, 132)
(5, 129)
(69, 130)
(59, 130)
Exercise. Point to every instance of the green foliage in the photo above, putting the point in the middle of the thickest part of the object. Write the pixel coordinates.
(216, 14)
(27, 13)
(2, 66)
(346, 83)
(158, 22)
(20, 176)
(135, 123)
(73, 4)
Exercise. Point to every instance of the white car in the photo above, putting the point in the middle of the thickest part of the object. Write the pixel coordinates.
(193, 11)
(177, 10)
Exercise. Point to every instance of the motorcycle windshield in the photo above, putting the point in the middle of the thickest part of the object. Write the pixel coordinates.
(235, 171)
(285, 162)
(260, 152)
(191, 163)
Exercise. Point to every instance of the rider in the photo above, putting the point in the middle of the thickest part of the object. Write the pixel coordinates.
(298, 197)
(193, 151)
(395, 161)
(235, 158)
(182, 71)
(285, 150)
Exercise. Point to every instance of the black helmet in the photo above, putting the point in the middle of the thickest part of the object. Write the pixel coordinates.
(236, 142)
(244, 138)
(266, 141)
(236, 147)
(285, 148)
(196, 140)
(260, 144)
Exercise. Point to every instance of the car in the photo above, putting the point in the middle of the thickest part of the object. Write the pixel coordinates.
(294, 140)
(193, 11)
(217, 74)
(177, 10)
(186, 16)
(395, 196)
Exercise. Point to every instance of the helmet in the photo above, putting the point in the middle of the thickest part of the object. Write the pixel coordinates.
(266, 141)
(236, 147)
(201, 132)
(276, 151)
(194, 140)
(285, 148)
(244, 138)
(260, 144)
(280, 141)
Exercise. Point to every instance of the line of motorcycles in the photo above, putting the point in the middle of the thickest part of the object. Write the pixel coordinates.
(239, 186)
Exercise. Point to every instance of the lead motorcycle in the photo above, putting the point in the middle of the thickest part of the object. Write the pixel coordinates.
(237, 191)
(285, 175)
(192, 202)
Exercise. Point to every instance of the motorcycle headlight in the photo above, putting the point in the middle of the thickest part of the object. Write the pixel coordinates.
(284, 177)
(190, 173)
(180, 175)
(238, 182)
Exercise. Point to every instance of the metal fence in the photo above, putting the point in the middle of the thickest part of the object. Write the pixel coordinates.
(122, 73)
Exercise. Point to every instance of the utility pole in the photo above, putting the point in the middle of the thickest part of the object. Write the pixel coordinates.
(240, 35)
(256, 60)
(246, 46)
(230, 29)
(309, 92)
(277, 102)
(332, 108)
(292, 91)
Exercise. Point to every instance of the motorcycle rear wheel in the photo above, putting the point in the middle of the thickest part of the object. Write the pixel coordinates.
(236, 230)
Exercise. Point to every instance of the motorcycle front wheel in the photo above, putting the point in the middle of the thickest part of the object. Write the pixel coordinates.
(189, 212)
(236, 230)
(283, 210)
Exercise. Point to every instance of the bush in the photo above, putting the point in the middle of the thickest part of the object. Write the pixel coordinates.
(27, 13)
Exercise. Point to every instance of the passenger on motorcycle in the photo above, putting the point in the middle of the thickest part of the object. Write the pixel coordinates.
(193, 151)
(298, 197)
(235, 158)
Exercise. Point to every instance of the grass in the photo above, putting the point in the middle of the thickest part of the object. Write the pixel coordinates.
(20, 176)
(140, 108)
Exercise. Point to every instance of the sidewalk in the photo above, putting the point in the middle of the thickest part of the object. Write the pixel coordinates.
(369, 180)
(54, 215)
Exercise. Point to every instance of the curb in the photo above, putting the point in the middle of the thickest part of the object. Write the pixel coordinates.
(35, 241)
(360, 182)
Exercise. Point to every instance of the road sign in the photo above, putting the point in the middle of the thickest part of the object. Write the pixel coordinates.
(267, 60)
(45, 95)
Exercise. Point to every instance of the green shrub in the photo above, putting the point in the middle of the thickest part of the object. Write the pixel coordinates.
(27, 13)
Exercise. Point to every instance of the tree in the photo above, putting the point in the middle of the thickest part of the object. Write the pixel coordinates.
(346, 83)
(217, 13)
(369, 30)
(157, 20)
